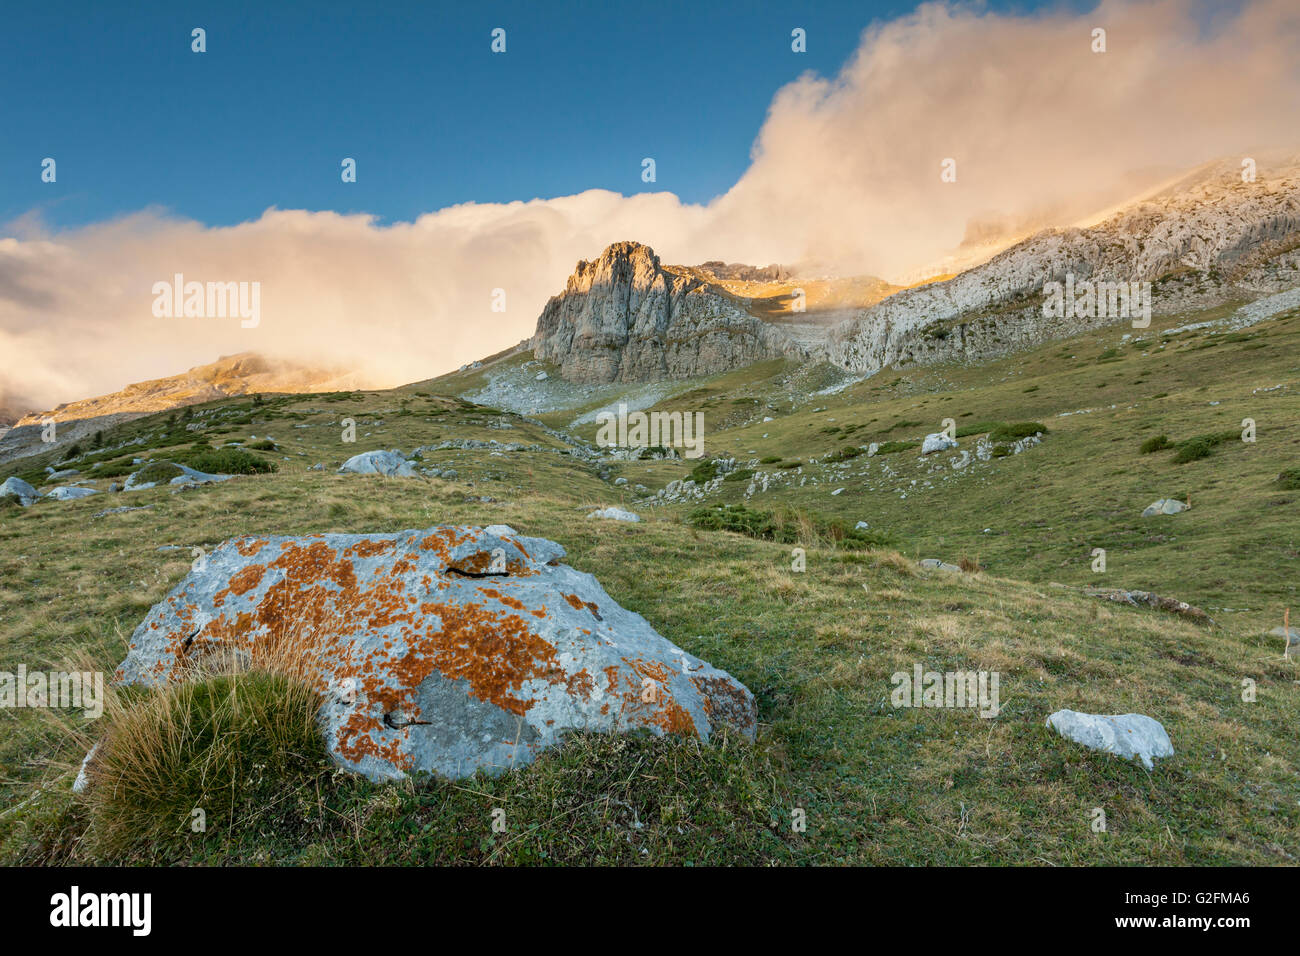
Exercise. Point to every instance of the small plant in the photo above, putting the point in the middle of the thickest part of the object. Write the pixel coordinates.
(157, 472)
(1290, 479)
(1155, 444)
(741, 474)
(264, 445)
(769, 460)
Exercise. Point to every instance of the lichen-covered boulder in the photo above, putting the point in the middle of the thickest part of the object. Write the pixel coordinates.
(447, 650)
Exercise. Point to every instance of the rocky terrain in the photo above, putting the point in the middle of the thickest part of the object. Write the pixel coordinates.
(1206, 239)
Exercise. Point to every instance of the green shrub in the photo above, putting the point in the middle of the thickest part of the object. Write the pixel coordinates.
(704, 471)
(891, 447)
(844, 454)
(1202, 446)
(226, 461)
(1016, 431)
(978, 428)
(769, 460)
(264, 445)
(158, 472)
(1157, 443)
(740, 474)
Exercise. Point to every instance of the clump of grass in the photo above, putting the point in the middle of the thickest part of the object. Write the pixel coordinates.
(1290, 479)
(844, 454)
(740, 474)
(787, 526)
(769, 459)
(264, 445)
(1155, 443)
(228, 745)
(1017, 431)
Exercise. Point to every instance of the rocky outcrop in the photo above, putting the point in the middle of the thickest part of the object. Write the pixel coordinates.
(626, 318)
(447, 650)
(1210, 222)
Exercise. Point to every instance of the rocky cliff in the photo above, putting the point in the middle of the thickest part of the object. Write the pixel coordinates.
(626, 318)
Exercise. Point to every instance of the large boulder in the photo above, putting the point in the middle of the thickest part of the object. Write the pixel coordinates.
(1124, 735)
(387, 463)
(447, 650)
(19, 489)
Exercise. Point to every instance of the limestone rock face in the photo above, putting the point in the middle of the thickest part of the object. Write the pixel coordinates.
(1124, 735)
(448, 650)
(625, 318)
(1210, 221)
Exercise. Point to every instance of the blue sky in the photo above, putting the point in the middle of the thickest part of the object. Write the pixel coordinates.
(135, 119)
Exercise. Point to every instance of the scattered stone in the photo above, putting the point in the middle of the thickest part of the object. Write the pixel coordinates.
(428, 658)
(937, 442)
(619, 482)
(387, 463)
(118, 511)
(941, 565)
(1147, 599)
(615, 514)
(1165, 506)
(65, 473)
(861, 526)
(1124, 735)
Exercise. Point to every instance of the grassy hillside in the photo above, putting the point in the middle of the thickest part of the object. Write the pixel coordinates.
(876, 784)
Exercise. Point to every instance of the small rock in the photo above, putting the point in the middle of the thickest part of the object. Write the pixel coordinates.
(1124, 735)
(941, 565)
(387, 463)
(937, 442)
(615, 514)
(1165, 506)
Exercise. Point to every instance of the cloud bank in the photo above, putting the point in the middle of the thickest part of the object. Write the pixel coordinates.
(845, 174)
